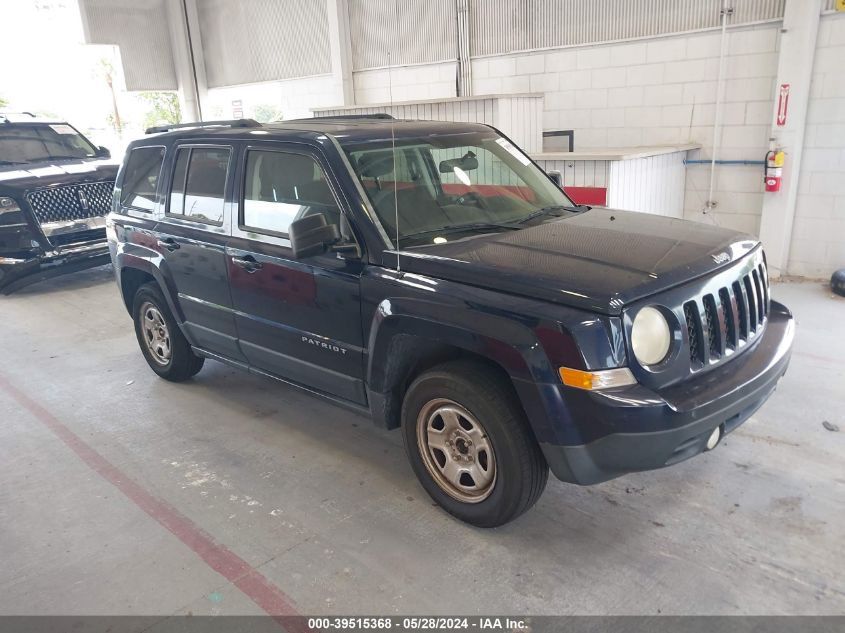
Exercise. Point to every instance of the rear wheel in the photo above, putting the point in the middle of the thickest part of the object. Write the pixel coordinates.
(470, 445)
(165, 348)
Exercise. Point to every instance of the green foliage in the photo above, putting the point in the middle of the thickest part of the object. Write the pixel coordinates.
(266, 113)
(163, 108)
(106, 69)
(3, 102)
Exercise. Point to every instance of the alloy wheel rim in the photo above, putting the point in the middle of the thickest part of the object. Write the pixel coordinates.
(456, 451)
(156, 333)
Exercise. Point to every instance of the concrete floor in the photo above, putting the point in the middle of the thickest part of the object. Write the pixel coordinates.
(323, 510)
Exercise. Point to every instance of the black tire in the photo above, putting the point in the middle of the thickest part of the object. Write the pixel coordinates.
(521, 471)
(182, 362)
(837, 282)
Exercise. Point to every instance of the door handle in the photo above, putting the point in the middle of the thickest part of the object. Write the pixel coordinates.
(168, 244)
(248, 263)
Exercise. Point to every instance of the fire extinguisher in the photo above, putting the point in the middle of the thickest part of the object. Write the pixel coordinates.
(774, 169)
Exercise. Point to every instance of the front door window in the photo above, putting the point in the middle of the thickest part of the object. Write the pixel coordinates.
(282, 187)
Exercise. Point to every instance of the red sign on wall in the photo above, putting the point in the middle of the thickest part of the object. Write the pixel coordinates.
(783, 104)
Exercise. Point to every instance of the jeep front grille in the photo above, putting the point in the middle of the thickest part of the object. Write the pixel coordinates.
(696, 354)
(722, 322)
(71, 202)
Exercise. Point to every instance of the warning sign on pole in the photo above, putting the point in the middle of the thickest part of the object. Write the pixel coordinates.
(783, 104)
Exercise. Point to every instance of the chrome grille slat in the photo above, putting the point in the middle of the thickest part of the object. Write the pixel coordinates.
(729, 315)
(695, 333)
(752, 304)
(65, 203)
(761, 301)
(764, 280)
(742, 308)
(714, 330)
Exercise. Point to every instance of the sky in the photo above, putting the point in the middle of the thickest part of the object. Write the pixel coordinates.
(47, 68)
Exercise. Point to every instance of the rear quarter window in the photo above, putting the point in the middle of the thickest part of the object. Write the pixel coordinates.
(140, 178)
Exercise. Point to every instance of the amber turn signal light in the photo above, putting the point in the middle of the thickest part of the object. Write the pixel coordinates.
(593, 380)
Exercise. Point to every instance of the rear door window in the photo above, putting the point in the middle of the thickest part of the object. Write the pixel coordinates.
(140, 178)
(199, 184)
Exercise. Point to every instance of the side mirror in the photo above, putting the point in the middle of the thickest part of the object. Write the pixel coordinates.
(103, 152)
(312, 235)
(555, 175)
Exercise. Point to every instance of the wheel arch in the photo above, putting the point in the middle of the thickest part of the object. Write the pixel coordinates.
(135, 271)
(130, 280)
(403, 345)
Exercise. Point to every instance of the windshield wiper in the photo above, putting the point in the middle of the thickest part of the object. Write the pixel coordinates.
(57, 157)
(460, 228)
(486, 226)
(551, 211)
(12, 162)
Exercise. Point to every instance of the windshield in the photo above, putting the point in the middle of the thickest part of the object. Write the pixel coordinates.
(446, 186)
(30, 143)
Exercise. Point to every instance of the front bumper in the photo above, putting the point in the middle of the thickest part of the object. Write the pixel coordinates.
(646, 430)
(17, 272)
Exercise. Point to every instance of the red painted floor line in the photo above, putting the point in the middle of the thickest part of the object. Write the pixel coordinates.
(824, 359)
(222, 560)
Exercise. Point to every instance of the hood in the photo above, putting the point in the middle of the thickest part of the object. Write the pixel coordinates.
(18, 179)
(600, 260)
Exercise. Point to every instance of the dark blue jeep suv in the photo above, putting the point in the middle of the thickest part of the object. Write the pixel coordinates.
(432, 276)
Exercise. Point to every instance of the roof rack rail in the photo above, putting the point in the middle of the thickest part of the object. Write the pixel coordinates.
(5, 115)
(201, 124)
(375, 115)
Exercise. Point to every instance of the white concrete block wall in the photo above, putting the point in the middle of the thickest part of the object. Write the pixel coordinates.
(818, 232)
(293, 97)
(656, 92)
(427, 81)
(296, 97)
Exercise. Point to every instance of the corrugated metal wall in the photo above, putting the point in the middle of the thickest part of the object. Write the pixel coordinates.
(655, 184)
(504, 26)
(140, 30)
(578, 173)
(518, 116)
(250, 41)
(263, 40)
(414, 31)
(481, 110)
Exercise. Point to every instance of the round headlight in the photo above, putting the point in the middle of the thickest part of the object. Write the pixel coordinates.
(650, 336)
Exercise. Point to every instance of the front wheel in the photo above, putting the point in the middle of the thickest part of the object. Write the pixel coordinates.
(165, 348)
(470, 445)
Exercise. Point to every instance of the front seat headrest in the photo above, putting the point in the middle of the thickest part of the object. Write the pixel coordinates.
(375, 164)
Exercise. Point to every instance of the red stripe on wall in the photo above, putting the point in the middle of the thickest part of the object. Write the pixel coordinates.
(587, 195)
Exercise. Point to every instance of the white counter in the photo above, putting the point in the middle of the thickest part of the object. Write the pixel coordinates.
(616, 153)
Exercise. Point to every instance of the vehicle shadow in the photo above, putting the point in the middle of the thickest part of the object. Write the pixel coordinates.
(586, 517)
